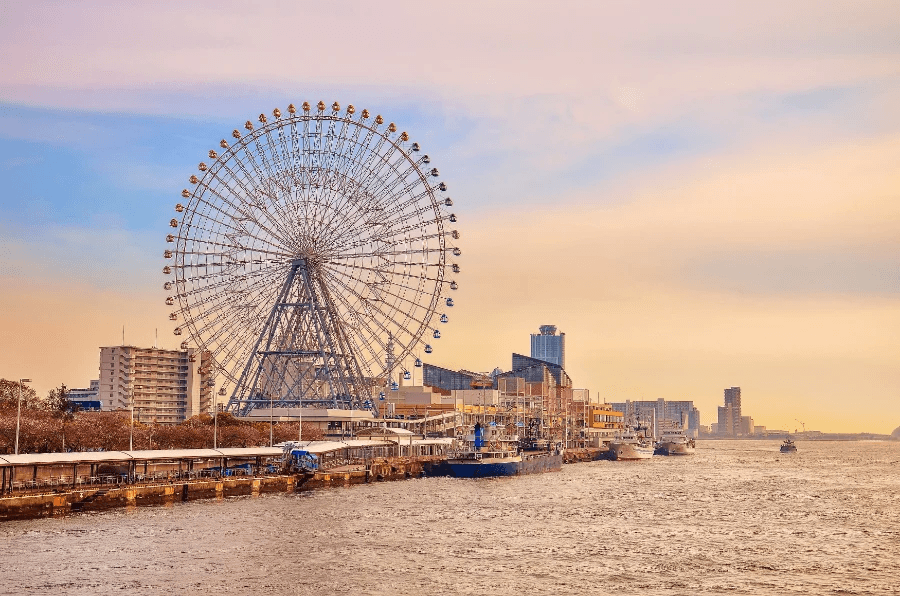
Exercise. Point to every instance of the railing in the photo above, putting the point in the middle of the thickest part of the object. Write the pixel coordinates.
(62, 483)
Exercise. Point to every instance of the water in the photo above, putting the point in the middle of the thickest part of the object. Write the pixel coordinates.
(738, 517)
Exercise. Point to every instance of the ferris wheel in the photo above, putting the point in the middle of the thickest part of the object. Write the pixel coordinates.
(312, 255)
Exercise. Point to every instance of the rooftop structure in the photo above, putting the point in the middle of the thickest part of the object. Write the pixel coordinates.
(535, 369)
(548, 346)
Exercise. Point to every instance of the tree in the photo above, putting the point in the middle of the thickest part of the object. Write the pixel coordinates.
(9, 396)
(58, 400)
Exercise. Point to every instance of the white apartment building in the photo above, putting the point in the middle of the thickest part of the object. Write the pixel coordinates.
(167, 386)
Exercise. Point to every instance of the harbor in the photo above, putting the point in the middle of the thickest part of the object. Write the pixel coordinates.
(54, 484)
(788, 516)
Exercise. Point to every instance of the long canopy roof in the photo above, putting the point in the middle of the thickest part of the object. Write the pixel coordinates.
(77, 457)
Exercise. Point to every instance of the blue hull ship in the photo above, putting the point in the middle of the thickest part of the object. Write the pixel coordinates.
(517, 465)
(489, 452)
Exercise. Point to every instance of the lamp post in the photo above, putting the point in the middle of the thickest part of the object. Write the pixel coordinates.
(216, 418)
(19, 412)
(131, 432)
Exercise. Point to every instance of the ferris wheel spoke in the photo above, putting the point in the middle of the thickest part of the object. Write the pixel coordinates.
(215, 310)
(351, 163)
(230, 233)
(398, 213)
(279, 253)
(402, 173)
(368, 231)
(368, 306)
(246, 201)
(374, 173)
(361, 161)
(386, 291)
(208, 278)
(264, 189)
(250, 195)
(396, 273)
(389, 253)
(373, 336)
(396, 237)
(367, 214)
(226, 283)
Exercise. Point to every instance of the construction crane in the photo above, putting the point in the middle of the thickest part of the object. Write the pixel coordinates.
(803, 424)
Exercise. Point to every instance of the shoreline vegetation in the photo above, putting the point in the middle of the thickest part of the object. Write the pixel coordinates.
(48, 425)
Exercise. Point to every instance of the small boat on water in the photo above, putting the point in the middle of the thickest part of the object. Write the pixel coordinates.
(673, 441)
(788, 446)
(489, 452)
(629, 445)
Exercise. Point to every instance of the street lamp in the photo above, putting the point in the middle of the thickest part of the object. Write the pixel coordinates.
(19, 412)
(131, 432)
(216, 418)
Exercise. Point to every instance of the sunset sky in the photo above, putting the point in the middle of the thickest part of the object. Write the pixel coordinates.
(700, 196)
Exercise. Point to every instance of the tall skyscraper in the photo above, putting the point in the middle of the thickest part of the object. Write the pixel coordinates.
(549, 346)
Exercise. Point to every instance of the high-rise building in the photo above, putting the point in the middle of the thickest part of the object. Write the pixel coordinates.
(733, 397)
(725, 424)
(730, 414)
(167, 386)
(548, 346)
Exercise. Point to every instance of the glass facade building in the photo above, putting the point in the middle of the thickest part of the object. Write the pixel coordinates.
(548, 346)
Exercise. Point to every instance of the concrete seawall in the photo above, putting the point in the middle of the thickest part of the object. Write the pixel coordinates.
(47, 504)
(34, 505)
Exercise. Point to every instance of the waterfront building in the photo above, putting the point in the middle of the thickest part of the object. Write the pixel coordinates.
(548, 346)
(166, 386)
(446, 379)
(662, 413)
(85, 399)
(746, 425)
(537, 370)
(603, 423)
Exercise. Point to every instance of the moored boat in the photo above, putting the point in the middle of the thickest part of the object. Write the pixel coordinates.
(674, 442)
(629, 445)
(489, 452)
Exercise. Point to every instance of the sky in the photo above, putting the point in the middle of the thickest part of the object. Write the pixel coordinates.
(699, 194)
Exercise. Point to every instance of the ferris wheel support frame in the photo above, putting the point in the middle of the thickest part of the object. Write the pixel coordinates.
(334, 365)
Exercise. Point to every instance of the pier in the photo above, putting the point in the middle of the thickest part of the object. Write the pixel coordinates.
(48, 484)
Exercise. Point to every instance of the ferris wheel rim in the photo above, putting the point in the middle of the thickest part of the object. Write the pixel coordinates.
(272, 244)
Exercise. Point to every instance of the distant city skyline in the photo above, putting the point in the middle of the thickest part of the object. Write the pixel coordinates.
(700, 195)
